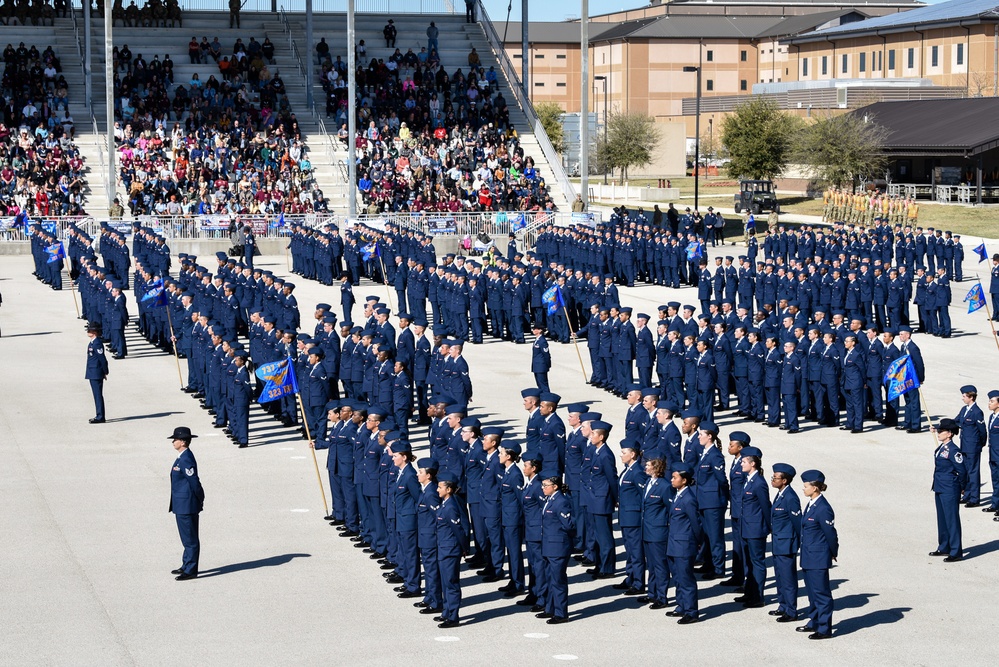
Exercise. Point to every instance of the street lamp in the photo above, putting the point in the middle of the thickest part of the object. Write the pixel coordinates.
(604, 79)
(697, 132)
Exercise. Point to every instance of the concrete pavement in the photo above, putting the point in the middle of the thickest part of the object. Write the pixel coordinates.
(89, 544)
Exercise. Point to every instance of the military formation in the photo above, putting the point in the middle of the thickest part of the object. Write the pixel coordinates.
(840, 204)
(804, 332)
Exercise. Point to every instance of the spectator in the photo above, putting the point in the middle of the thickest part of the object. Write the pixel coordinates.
(432, 33)
(194, 51)
(389, 31)
(473, 58)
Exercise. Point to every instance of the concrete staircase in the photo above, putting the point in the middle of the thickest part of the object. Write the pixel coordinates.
(456, 40)
(327, 155)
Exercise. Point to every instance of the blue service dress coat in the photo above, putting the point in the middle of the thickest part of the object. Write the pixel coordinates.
(819, 546)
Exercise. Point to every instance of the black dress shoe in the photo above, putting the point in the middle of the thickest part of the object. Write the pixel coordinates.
(604, 575)
(752, 605)
(587, 561)
(448, 624)
(420, 605)
(634, 591)
(775, 612)
(439, 619)
(794, 430)
(538, 607)
(329, 517)
(95, 420)
(557, 620)
(731, 582)
(543, 614)
(621, 587)
(899, 428)
(856, 430)
(399, 589)
(687, 620)
(177, 571)
(645, 599)
(819, 635)
(991, 508)
(491, 578)
(953, 559)
(787, 619)
(969, 505)
(410, 594)
(593, 570)
(909, 430)
(658, 605)
(529, 601)
(711, 576)
(938, 553)
(184, 576)
(844, 428)
(394, 579)
(512, 593)
(804, 628)
(483, 573)
(741, 598)
(674, 614)
(430, 610)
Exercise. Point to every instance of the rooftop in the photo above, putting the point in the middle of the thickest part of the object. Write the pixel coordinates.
(962, 127)
(925, 17)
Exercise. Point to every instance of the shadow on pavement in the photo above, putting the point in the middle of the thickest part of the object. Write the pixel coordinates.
(155, 415)
(251, 565)
(981, 549)
(870, 620)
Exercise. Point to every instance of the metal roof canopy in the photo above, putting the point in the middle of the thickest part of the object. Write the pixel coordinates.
(945, 14)
(937, 128)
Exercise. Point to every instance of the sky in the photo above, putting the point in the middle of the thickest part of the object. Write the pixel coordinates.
(560, 11)
(555, 11)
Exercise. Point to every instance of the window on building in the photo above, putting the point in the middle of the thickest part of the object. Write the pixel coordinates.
(891, 60)
(560, 56)
(825, 65)
(862, 65)
(743, 85)
(846, 64)
(881, 61)
(804, 67)
(539, 56)
(560, 84)
(743, 56)
(711, 84)
(934, 56)
(517, 56)
(960, 54)
(711, 56)
(874, 61)
(539, 84)
(911, 59)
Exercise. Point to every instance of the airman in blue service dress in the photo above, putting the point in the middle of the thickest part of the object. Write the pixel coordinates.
(683, 526)
(785, 540)
(973, 436)
(97, 371)
(819, 548)
(187, 499)
(950, 476)
(452, 544)
(557, 533)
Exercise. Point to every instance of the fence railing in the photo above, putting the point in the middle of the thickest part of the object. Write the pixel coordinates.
(506, 67)
(498, 225)
(383, 7)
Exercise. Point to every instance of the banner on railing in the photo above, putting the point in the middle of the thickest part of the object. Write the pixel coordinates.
(588, 219)
(441, 226)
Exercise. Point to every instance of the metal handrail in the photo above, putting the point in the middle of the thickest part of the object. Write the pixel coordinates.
(506, 68)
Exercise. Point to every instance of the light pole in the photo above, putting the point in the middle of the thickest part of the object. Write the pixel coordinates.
(697, 132)
(604, 79)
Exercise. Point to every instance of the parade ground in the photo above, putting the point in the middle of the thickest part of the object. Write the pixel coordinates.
(88, 543)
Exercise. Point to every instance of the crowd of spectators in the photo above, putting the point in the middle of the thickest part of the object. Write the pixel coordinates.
(429, 140)
(32, 12)
(153, 13)
(40, 165)
(227, 145)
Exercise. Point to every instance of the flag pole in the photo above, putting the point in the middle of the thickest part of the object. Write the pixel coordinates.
(922, 404)
(575, 344)
(173, 344)
(72, 288)
(308, 436)
(388, 291)
(988, 316)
